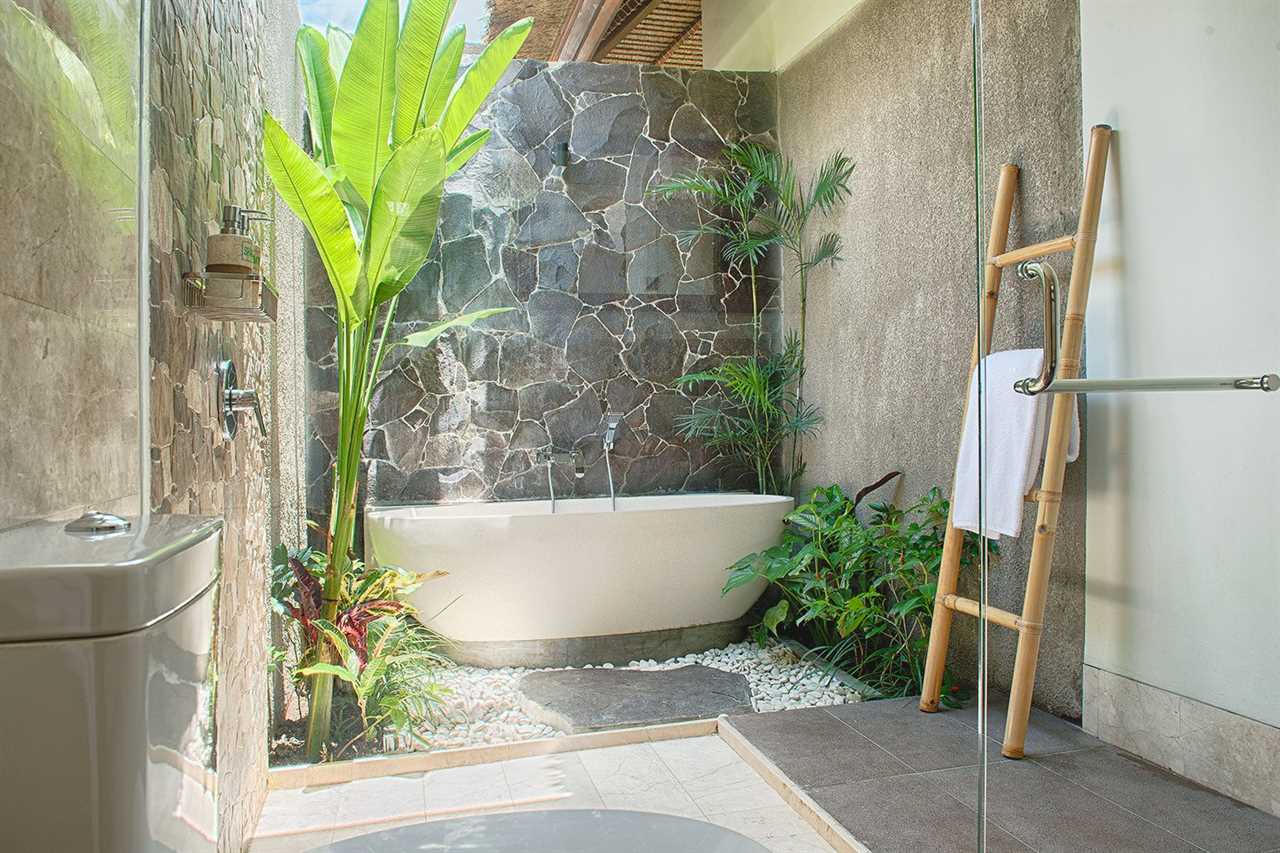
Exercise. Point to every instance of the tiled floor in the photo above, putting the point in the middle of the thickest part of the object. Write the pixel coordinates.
(701, 778)
(900, 780)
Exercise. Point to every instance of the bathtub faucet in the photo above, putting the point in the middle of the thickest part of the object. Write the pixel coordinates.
(549, 456)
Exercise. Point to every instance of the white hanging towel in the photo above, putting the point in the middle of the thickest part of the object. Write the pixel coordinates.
(1015, 438)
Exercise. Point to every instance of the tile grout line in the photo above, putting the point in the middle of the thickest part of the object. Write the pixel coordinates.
(1107, 799)
(997, 824)
(827, 827)
(680, 783)
(591, 780)
(849, 726)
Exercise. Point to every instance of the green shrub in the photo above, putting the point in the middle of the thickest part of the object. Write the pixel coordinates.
(858, 592)
(382, 659)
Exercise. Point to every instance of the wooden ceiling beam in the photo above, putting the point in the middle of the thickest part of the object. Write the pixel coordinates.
(583, 28)
(599, 26)
(675, 45)
(636, 18)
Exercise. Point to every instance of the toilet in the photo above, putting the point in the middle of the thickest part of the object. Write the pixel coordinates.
(107, 667)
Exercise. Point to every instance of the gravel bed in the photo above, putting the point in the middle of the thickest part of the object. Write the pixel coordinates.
(484, 706)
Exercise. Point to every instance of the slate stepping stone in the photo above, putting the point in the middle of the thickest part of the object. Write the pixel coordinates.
(586, 700)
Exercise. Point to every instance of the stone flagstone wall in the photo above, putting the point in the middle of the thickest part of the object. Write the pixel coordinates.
(215, 65)
(610, 307)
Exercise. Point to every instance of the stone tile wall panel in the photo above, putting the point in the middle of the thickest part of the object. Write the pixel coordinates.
(215, 66)
(610, 306)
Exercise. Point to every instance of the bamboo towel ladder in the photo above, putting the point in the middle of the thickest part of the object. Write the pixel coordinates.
(1030, 623)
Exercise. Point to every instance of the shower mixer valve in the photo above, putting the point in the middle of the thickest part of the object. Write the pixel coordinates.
(233, 400)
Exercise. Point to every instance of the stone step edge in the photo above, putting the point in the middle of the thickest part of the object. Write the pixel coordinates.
(801, 803)
(376, 766)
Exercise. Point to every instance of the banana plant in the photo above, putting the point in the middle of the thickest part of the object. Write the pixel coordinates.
(388, 112)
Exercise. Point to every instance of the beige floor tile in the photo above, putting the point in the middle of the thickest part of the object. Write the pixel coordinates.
(458, 790)
(778, 828)
(634, 777)
(290, 843)
(389, 797)
(551, 782)
(300, 809)
(715, 776)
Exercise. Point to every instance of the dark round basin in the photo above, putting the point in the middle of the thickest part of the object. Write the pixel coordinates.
(557, 831)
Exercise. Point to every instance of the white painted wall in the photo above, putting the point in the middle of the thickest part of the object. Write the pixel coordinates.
(1183, 565)
(764, 35)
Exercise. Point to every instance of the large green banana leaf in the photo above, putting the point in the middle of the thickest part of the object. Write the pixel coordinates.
(402, 218)
(318, 79)
(444, 73)
(100, 35)
(302, 184)
(363, 111)
(428, 336)
(339, 46)
(423, 23)
(478, 81)
(465, 150)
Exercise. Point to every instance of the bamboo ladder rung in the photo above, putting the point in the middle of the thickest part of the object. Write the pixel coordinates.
(1004, 618)
(1036, 250)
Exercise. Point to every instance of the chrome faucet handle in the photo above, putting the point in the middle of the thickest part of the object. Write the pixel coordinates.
(245, 400)
(234, 400)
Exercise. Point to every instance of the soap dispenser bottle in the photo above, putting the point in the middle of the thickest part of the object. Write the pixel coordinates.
(232, 250)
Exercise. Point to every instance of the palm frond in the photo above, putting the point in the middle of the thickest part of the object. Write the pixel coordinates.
(831, 185)
(710, 186)
(826, 252)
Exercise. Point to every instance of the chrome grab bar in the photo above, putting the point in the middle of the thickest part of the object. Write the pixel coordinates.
(1044, 273)
(1049, 382)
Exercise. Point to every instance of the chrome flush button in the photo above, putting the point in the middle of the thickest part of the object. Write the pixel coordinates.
(95, 524)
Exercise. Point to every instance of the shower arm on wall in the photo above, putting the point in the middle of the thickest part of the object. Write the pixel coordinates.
(1048, 382)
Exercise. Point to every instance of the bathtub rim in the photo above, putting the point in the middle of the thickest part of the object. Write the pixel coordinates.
(420, 510)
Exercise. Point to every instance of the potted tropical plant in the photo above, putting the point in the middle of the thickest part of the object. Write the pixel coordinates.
(388, 125)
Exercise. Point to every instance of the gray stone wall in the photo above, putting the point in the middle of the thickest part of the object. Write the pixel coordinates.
(610, 308)
(69, 289)
(890, 329)
(215, 65)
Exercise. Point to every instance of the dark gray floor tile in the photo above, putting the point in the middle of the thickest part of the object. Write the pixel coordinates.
(815, 749)
(1051, 814)
(1201, 816)
(921, 741)
(1046, 734)
(908, 814)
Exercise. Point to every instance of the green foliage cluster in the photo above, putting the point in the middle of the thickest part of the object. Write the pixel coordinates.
(382, 658)
(755, 201)
(858, 590)
(754, 414)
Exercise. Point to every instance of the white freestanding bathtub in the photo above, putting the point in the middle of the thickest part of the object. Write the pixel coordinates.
(526, 587)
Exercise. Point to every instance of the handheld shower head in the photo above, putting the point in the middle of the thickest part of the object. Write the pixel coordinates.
(611, 421)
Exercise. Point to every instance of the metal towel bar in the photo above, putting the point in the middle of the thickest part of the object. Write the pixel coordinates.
(1047, 381)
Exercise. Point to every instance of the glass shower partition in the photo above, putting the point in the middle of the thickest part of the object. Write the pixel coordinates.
(72, 90)
(1127, 613)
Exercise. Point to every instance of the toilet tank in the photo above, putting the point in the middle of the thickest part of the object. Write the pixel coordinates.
(107, 687)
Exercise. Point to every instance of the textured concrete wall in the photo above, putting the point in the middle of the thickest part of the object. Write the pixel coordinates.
(610, 307)
(212, 64)
(890, 329)
(69, 286)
